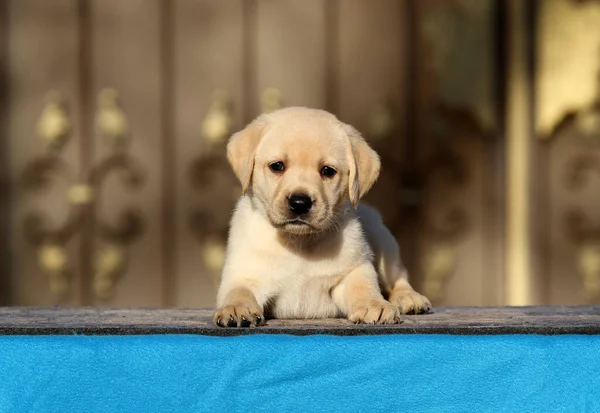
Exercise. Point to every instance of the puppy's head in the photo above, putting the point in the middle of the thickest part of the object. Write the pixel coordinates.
(300, 165)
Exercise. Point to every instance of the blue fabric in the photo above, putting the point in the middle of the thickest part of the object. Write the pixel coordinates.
(395, 373)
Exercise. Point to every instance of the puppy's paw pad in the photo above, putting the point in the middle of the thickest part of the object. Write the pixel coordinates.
(238, 316)
(376, 312)
(411, 302)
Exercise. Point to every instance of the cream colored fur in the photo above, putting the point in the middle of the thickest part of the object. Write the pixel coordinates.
(337, 261)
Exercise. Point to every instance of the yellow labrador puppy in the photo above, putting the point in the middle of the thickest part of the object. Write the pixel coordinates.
(300, 245)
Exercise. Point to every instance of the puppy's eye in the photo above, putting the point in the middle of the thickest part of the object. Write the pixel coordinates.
(277, 166)
(328, 171)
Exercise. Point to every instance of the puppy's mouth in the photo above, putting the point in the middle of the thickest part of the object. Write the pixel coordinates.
(296, 225)
(295, 222)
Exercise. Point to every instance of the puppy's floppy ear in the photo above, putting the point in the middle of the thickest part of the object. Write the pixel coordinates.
(241, 151)
(364, 165)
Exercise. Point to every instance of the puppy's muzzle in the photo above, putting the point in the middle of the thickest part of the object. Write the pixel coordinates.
(300, 203)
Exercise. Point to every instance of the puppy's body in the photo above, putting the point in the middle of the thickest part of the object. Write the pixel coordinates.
(330, 260)
(293, 277)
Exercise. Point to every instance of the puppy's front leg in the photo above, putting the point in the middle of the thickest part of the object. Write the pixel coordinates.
(359, 296)
(239, 308)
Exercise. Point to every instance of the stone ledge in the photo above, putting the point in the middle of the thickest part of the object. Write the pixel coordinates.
(442, 320)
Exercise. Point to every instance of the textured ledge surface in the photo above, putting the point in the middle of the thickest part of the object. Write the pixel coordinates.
(442, 320)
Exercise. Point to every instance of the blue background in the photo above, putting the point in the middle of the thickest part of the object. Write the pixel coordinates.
(391, 373)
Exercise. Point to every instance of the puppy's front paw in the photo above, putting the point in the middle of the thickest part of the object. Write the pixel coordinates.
(238, 316)
(375, 312)
(410, 302)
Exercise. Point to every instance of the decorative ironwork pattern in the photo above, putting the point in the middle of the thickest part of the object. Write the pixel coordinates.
(51, 241)
(209, 223)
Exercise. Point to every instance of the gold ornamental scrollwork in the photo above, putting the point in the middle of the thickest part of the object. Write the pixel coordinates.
(51, 240)
(110, 258)
(216, 125)
(52, 256)
(270, 100)
(109, 263)
(208, 225)
(382, 123)
(111, 121)
(53, 126)
(211, 176)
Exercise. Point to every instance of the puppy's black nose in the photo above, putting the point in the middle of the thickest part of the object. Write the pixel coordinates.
(300, 203)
